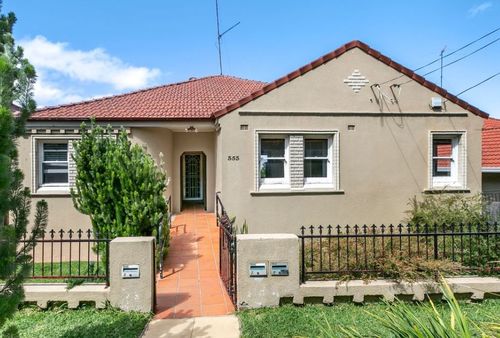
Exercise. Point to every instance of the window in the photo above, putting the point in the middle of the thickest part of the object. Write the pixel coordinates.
(318, 160)
(53, 159)
(447, 163)
(273, 160)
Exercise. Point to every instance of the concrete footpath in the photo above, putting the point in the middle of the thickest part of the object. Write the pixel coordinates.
(213, 327)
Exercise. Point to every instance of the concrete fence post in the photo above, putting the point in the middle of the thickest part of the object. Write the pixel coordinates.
(267, 269)
(132, 273)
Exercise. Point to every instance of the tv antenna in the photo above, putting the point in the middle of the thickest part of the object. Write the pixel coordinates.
(220, 35)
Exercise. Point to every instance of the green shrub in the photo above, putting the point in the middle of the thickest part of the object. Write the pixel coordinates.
(447, 209)
(118, 185)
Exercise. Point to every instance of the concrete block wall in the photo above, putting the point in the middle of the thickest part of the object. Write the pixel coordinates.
(255, 292)
(128, 294)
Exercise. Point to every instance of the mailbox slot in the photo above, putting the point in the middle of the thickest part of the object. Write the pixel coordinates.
(258, 270)
(279, 269)
(131, 271)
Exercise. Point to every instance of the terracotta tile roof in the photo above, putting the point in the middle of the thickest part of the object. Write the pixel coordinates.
(491, 143)
(338, 52)
(193, 99)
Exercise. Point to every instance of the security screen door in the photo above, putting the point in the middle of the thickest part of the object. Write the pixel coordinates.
(193, 178)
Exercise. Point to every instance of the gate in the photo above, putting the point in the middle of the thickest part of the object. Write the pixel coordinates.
(227, 249)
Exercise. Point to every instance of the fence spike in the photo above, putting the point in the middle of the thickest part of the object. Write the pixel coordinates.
(391, 228)
(365, 228)
(329, 229)
(374, 228)
(79, 233)
(347, 229)
(338, 228)
(320, 229)
(382, 228)
(302, 229)
(52, 233)
(356, 228)
(88, 233)
(61, 232)
(312, 229)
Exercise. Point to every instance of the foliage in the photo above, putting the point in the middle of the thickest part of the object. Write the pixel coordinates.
(309, 320)
(447, 209)
(401, 320)
(118, 184)
(17, 78)
(86, 322)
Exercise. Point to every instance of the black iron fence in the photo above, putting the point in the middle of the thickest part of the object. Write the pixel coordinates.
(62, 255)
(227, 249)
(329, 252)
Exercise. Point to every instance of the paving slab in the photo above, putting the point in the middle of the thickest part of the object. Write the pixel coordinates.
(199, 327)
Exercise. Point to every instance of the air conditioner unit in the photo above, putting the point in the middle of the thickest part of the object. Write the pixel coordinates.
(436, 103)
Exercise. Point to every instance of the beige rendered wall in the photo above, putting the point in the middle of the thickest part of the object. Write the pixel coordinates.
(383, 162)
(491, 182)
(156, 141)
(194, 142)
(62, 214)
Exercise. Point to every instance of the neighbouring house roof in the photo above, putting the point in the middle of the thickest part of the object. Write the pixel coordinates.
(491, 144)
(335, 54)
(193, 99)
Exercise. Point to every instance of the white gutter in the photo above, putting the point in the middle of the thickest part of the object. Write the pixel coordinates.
(491, 170)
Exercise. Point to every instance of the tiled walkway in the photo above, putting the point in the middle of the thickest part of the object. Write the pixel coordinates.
(191, 286)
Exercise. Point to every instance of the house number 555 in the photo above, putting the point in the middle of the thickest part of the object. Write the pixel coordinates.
(233, 158)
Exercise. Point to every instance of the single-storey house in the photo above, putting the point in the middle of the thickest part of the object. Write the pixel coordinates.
(348, 138)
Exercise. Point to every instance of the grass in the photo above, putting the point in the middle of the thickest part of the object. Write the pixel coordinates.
(63, 269)
(84, 322)
(305, 321)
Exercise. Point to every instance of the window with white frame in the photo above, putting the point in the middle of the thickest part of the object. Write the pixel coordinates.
(273, 160)
(53, 158)
(318, 160)
(447, 162)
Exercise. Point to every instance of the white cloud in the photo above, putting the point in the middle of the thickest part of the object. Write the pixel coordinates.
(479, 8)
(49, 93)
(94, 65)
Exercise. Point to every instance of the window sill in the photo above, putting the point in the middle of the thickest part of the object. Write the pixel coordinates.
(446, 190)
(52, 191)
(288, 192)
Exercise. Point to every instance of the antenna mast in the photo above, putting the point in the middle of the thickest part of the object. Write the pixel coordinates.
(220, 35)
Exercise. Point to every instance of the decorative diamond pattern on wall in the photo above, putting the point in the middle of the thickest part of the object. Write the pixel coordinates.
(356, 81)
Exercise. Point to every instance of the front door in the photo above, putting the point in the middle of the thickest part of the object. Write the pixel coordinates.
(192, 189)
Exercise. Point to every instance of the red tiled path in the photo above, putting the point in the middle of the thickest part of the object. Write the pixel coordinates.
(191, 285)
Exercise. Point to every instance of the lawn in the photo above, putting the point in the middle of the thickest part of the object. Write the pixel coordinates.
(66, 269)
(84, 322)
(304, 321)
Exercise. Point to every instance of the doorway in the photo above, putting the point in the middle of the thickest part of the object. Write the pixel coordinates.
(193, 177)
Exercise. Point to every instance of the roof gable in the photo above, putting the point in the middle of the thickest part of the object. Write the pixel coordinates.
(337, 53)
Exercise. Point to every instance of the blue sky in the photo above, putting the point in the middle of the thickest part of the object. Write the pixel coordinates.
(90, 48)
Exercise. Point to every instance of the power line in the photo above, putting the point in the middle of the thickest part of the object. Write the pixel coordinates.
(457, 60)
(447, 55)
(478, 84)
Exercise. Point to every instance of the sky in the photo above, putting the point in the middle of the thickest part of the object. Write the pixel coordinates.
(84, 49)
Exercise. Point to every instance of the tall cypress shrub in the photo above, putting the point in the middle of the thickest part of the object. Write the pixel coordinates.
(118, 184)
(17, 77)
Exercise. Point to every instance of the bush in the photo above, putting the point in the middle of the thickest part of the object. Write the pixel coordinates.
(118, 185)
(447, 209)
